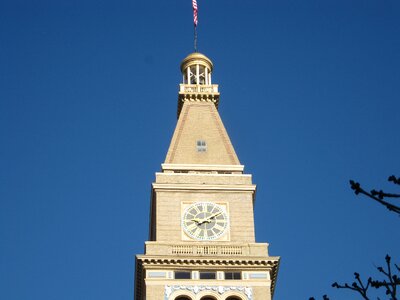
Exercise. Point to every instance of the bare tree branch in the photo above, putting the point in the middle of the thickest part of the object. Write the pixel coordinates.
(389, 283)
(358, 286)
(394, 179)
(394, 280)
(324, 297)
(379, 196)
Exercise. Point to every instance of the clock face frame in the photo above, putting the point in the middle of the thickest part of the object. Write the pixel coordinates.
(205, 221)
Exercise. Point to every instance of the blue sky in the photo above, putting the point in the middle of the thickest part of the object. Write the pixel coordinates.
(88, 93)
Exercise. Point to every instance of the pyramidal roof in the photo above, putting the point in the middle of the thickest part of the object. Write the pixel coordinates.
(200, 137)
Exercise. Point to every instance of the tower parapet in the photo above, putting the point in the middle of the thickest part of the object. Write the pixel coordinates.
(196, 83)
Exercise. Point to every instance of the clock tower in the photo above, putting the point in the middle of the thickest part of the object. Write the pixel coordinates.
(202, 242)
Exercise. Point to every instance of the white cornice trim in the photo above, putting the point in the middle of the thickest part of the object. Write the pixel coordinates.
(194, 174)
(181, 186)
(198, 167)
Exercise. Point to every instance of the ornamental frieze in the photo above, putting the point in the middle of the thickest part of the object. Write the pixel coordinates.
(247, 292)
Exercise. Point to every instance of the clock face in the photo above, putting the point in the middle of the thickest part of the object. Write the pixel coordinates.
(205, 221)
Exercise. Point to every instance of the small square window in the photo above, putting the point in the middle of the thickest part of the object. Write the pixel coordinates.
(233, 275)
(201, 146)
(183, 275)
(207, 275)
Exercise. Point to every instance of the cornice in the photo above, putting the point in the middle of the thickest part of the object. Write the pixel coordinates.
(204, 187)
(271, 261)
(200, 167)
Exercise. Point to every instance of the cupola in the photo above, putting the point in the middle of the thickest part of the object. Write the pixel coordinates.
(196, 68)
(196, 83)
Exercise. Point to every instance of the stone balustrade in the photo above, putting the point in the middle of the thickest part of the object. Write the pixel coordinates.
(207, 249)
(198, 88)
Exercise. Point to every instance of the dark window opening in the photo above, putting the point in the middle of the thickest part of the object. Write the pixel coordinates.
(183, 275)
(233, 275)
(182, 298)
(201, 146)
(207, 275)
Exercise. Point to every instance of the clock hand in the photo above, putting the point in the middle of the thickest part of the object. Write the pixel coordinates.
(198, 221)
(201, 221)
(213, 216)
(207, 219)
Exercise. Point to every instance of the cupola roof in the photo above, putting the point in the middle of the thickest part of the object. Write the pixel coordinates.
(196, 58)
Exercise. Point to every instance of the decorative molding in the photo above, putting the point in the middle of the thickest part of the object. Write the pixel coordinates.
(146, 260)
(183, 186)
(201, 167)
(197, 93)
(195, 289)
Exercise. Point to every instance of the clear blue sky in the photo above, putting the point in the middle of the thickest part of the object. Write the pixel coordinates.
(310, 95)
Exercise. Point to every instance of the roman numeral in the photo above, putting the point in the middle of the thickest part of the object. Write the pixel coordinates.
(197, 209)
(219, 227)
(197, 232)
(191, 226)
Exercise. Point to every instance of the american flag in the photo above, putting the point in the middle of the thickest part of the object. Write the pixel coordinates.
(194, 3)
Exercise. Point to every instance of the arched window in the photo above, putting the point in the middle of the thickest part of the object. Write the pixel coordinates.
(233, 298)
(182, 298)
(207, 298)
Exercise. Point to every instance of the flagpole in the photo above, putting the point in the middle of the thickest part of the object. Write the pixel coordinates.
(195, 38)
(194, 4)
